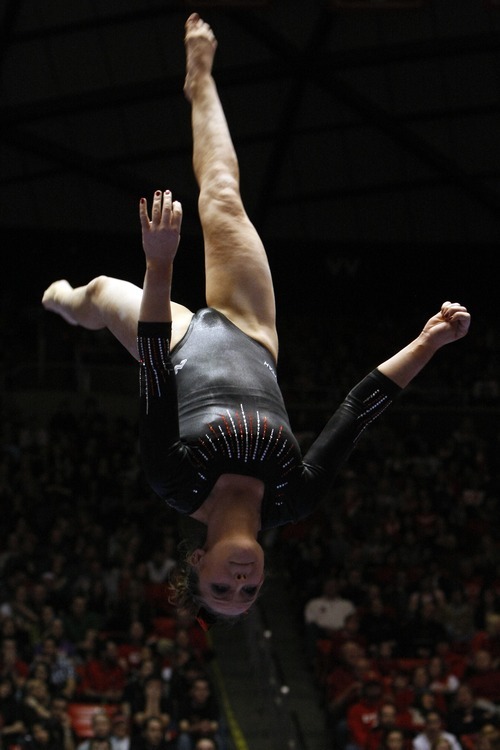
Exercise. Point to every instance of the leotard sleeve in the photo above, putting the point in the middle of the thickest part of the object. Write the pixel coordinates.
(363, 404)
(164, 458)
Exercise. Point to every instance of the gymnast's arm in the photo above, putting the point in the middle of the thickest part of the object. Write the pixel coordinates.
(159, 419)
(376, 392)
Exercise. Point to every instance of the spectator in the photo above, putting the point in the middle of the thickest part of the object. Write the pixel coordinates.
(60, 722)
(152, 702)
(41, 737)
(120, 734)
(325, 614)
(394, 739)
(79, 619)
(441, 680)
(483, 676)
(12, 726)
(363, 715)
(36, 702)
(433, 730)
(152, 737)
(466, 717)
(388, 719)
(12, 665)
(62, 675)
(422, 632)
(101, 731)
(103, 679)
(198, 716)
(377, 624)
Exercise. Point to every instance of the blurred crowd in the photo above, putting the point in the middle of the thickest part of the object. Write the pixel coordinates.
(92, 655)
(396, 578)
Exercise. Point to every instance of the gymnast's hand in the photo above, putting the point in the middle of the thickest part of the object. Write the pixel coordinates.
(161, 233)
(450, 324)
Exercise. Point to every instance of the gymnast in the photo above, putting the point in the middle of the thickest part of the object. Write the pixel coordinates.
(215, 438)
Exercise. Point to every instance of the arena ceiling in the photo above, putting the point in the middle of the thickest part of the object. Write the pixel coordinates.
(356, 122)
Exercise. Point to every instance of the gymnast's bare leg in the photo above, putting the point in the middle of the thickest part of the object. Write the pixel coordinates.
(238, 278)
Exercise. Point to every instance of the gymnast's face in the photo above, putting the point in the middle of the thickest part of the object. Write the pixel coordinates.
(230, 575)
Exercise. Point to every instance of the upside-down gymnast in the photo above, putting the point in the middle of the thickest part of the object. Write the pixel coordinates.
(216, 442)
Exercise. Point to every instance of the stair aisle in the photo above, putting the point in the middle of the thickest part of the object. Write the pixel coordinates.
(267, 690)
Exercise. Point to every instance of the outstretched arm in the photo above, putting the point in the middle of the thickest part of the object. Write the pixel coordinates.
(160, 240)
(449, 324)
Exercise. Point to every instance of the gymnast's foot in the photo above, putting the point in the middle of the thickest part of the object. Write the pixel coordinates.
(200, 45)
(57, 299)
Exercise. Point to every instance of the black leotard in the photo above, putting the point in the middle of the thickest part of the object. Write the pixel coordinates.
(213, 406)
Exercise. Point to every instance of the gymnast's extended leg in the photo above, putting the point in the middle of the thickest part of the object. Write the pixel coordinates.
(238, 278)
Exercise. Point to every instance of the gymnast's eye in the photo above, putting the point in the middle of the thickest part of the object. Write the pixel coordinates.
(218, 588)
(250, 590)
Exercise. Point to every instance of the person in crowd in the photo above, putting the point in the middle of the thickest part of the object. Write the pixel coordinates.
(152, 702)
(12, 725)
(324, 615)
(101, 730)
(363, 714)
(222, 451)
(483, 676)
(152, 737)
(61, 669)
(120, 733)
(103, 678)
(198, 716)
(433, 731)
(466, 716)
(41, 737)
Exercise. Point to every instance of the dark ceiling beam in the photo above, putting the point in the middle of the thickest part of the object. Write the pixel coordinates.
(8, 20)
(74, 161)
(286, 126)
(374, 115)
(99, 22)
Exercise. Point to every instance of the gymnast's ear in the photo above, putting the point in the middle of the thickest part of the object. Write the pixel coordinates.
(196, 556)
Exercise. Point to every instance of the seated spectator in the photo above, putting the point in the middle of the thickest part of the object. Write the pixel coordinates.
(102, 677)
(12, 665)
(483, 676)
(363, 714)
(433, 730)
(206, 743)
(377, 624)
(134, 686)
(388, 719)
(198, 715)
(488, 738)
(42, 737)
(120, 734)
(422, 632)
(36, 703)
(465, 716)
(325, 614)
(101, 731)
(12, 726)
(152, 737)
(131, 649)
(425, 702)
(344, 682)
(152, 702)
(60, 722)
(441, 680)
(394, 739)
(79, 619)
(62, 674)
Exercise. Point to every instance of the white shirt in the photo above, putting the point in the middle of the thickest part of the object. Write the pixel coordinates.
(422, 742)
(328, 613)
